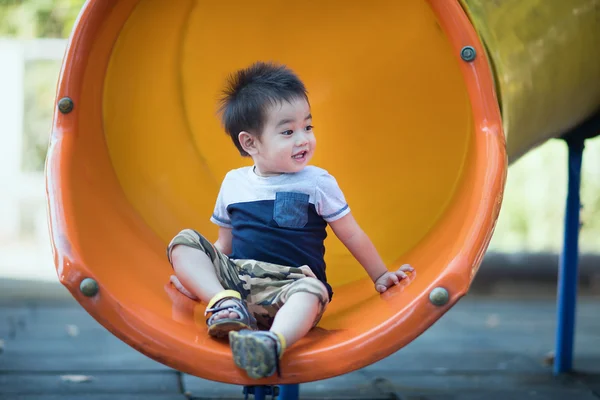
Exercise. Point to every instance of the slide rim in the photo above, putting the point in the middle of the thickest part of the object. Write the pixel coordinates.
(132, 329)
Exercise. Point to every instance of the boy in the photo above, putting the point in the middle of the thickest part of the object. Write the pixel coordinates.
(266, 268)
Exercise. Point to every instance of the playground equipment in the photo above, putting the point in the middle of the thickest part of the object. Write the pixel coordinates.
(407, 104)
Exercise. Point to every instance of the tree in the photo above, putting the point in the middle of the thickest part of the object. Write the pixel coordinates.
(28, 19)
(38, 18)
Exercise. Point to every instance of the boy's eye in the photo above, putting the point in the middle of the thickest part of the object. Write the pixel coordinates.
(309, 128)
(288, 132)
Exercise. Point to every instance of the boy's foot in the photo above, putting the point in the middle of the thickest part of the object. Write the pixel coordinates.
(225, 303)
(257, 353)
(179, 286)
(228, 313)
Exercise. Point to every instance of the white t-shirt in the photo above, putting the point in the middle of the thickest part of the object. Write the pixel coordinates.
(280, 219)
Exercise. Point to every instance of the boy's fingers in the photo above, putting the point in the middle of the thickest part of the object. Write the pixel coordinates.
(395, 279)
(401, 274)
(406, 267)
(380, 288)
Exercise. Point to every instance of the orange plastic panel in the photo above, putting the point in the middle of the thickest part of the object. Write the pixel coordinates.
(411, 131)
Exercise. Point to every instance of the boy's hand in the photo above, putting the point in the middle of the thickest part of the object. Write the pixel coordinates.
(390, 279)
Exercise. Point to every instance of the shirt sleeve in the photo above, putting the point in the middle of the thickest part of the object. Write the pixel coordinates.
(220, 215)
(330, 201)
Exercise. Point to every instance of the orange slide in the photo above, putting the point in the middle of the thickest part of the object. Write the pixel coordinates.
(404, 101)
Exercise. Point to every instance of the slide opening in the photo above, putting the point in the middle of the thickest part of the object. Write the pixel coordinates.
(391, 112)
(412, 137)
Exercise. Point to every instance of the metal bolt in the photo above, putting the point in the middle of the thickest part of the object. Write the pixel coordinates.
(468, 53)
(88, 287)
(439, 296)
(65, 105)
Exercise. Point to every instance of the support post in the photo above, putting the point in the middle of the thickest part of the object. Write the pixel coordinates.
(569, 260)
(282, 392)
(289, 392)
(260, 392)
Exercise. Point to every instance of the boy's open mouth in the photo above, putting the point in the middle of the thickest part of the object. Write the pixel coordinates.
(300, 155)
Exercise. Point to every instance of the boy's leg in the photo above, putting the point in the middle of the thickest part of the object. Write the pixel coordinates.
(297, 317)
(296, 308)
(196, 272)
(203, 272)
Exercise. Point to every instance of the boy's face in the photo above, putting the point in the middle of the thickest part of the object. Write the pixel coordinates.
(287, 142)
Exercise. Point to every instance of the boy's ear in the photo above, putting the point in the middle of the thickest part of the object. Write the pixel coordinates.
(248, 142)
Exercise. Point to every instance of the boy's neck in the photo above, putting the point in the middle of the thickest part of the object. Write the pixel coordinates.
(257, 172)
(263, 175)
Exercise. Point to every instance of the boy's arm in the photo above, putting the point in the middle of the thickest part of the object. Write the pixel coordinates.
(359, 244)
(223, 243)
(361, 247)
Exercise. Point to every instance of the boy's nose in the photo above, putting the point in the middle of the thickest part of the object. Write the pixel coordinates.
(301, 140)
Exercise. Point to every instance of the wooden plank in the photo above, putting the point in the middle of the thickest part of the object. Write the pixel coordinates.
(441, 382)
(98, 383)
(482, 348)
(57, 339)
(104, 396)
(541, 394)
(354, 385)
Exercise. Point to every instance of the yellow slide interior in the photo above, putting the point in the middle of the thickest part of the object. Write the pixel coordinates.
(391, 113)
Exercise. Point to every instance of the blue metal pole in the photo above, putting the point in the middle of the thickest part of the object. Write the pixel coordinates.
(260, 393)
(289, 392)
(568, 268)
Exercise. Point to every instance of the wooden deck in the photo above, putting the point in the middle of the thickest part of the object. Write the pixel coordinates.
(484, 348)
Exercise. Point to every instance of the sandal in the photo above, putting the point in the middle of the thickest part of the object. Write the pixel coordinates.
(258, 353)
(220, 328)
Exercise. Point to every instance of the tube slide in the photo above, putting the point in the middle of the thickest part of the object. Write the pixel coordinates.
(407, 118)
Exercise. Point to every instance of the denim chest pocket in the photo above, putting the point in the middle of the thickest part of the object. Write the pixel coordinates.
(291, 209)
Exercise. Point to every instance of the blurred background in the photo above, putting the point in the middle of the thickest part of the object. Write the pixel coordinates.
(32, 43)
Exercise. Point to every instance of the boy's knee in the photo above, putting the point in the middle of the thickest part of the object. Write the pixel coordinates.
(316, 283)
(176, 254)
(184, 244)
(181, 253)
(314, 287)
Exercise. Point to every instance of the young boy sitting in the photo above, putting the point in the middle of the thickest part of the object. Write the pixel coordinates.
(267, 270)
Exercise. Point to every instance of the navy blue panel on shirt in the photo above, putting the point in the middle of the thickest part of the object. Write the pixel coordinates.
(285, 231)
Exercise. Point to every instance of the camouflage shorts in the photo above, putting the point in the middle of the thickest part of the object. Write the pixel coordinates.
(265, 287)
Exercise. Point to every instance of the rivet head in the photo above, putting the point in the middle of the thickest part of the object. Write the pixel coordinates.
(468, 53)
(88, 287)
(65, 105)
(439, 296)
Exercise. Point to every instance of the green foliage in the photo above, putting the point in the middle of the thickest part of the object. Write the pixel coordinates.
(532, 214)
(28, 19)
(40, 87)
(38, 18)
(534, 201)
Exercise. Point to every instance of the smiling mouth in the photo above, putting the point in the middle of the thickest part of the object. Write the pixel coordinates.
(300, 155)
